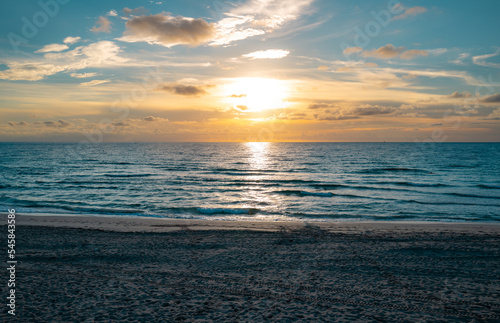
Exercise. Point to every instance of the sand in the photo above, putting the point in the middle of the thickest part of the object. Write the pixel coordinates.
(89, 268)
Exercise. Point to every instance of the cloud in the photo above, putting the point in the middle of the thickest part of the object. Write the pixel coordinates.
(495, 98)
(315, 106)
(334, 112)
(83, 75)
(495, 115)
(436, 51)
(409, 54)
(233, 29)
(387, 51)
(371, 110)
(140, 11)
(238, 96)
(352, 50)
(52, 48)
(71, 40)
(257, 17)
(13, 124)
(56, 124)
(29, 71)
(112, 13)
(414, 11)
(334, 117)
(186, 90)
(104, 25)
(153, 119)
(268, 54)
(462, 75)
(121, 124)
(323, 68)
(458, 95)
(460, 59)
(168, 31)
(481, 60)
(390, 51)
(94, 82)
(100, 54)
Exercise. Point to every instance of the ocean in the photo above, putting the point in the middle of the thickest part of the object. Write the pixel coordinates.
(255, 181)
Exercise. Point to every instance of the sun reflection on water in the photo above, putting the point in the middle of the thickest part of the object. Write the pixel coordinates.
(260, 163)
(259, 155)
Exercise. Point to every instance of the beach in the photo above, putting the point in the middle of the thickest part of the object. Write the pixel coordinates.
(96, 268)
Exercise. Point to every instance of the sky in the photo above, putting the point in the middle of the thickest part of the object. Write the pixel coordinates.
(250, 70)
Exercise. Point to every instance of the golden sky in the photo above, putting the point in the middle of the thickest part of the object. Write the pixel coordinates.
(250, 70)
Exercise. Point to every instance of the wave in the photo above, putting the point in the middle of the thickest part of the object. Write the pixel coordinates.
(472, 195)
(330, 186)
(421, 184)
(304, 193)
(492, 187)
(128, 175)
(462, 166)
(210, 211)
(224, 170)
(413, 184)
(100, 210)
(393, 169)
(116, 163)
(448, 203)
(327, 194)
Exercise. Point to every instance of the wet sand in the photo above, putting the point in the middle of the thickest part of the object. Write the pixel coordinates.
(75, 268)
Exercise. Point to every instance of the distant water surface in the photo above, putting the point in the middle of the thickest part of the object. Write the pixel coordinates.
(260, 181)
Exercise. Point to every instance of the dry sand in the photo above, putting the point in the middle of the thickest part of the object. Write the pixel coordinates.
(89, 268)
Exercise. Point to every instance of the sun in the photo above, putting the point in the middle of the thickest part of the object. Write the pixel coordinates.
(256, 94)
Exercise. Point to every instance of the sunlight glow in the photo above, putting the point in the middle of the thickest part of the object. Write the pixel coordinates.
(256, 94)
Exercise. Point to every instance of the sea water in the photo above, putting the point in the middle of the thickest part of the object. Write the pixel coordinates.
(255, 181)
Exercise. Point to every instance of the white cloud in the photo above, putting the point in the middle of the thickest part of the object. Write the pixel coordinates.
(233, 29)
(112, 13)
(83, 75)
(437, 51)
(273, 9)
(59, 47)
(257, 17)
(471, 80)
(100, 54)
(94, 82)
(410, 12)
(269, 54)
(481, 60)
(71, 40)
(52, 48)
(103, 53)
(460, 59)
(29, 71)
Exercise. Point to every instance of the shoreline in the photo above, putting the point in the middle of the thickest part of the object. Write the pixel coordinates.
(154, 224)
